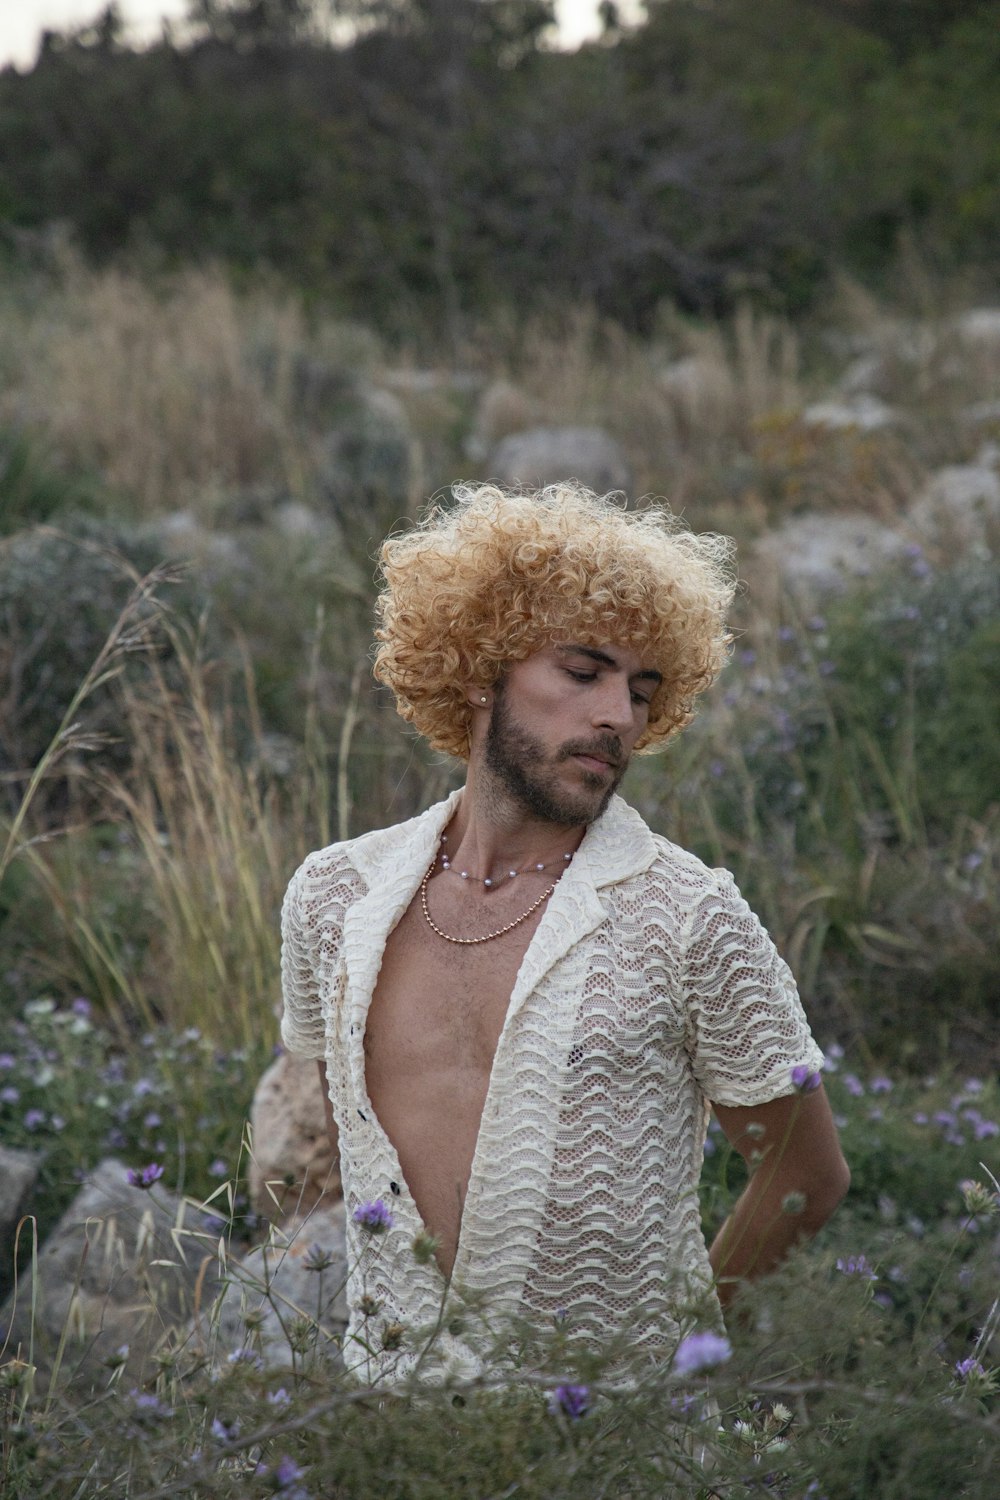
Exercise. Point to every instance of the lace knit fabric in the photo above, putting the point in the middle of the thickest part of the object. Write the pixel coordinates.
(648, 989)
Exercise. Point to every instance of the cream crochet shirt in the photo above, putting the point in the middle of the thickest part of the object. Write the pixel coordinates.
(648, 989)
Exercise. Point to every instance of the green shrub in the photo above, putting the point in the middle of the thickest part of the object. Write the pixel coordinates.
(61, 591)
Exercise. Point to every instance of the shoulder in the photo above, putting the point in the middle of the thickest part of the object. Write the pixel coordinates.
(361, 861)
(686, 879)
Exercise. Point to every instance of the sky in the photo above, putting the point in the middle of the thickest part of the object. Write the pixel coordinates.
(22, 21)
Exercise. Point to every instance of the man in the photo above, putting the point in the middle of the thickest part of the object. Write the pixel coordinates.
(522, 1001)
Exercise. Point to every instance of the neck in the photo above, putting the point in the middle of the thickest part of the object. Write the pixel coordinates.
(491, 833)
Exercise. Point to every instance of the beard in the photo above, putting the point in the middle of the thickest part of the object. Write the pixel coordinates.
(528, 774)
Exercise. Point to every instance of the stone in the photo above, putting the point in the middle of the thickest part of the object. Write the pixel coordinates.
(862, 412)
(867, 375)
(121, 1269)
(297, 521)
(18, 1175)
(503, 410)
(816, 555)
(370, 456)
(981, 414)
(980, 326)
(273, 1285)
(551, 455)
(960, 503)
(292, 1164)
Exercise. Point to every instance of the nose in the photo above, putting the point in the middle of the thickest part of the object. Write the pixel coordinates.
(612, 710)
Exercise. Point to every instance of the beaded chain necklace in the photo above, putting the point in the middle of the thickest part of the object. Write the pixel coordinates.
(464, 874)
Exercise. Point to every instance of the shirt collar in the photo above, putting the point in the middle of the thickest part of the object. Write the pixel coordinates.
(616, 846)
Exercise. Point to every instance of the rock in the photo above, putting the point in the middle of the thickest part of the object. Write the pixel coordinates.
(292, 1165)
(273, 1285)
(981, 414)
(863, 412)
(18, 1175)
(959, 504)
(815, 555)
(503, 410)
(980, 326)
(369, 456)
(120, 1268)
(867, 375)
(550, 455)
(427, 382)
(295, 520)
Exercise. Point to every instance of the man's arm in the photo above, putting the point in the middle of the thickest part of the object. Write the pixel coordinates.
(331, 1128)
(791, 1147)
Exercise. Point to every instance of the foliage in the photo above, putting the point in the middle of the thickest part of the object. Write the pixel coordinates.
(60, 592)
(71, 1092)
(861, 1368)
(440, 162)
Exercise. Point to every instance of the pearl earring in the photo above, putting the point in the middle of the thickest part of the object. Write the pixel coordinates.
(483, 699)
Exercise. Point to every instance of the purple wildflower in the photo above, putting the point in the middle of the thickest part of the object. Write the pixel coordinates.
(968, 1367)
(144, 1177)
(318, 1258)
(881, 1085)
(34, 1118)
(146, 1404)
(701, 1351)
(218, 1168)
(857, 1265)
(572, 1401)
(224, 1431)
(287, 1473)
(853, 1085)
(7, 1061)
(374, 1216)
(246, 1357)
(80, 1006)
(805, 1079)
(280, 1397)
(986, 1129)
(9, 1095)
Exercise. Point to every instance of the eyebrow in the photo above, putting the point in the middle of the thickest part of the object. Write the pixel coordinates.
(647, 675)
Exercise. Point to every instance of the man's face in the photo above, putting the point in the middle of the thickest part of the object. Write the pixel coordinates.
(563, 728)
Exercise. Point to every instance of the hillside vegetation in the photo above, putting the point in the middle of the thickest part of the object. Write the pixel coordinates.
(442, 160)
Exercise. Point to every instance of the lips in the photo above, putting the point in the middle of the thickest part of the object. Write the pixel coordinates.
(595, 762)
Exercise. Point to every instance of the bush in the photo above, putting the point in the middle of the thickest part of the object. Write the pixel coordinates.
(60, 594)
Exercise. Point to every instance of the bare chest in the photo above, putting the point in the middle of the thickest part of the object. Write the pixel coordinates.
(434, 1022)
(438, 1005)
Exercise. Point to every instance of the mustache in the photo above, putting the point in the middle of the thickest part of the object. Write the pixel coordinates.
(608, 747)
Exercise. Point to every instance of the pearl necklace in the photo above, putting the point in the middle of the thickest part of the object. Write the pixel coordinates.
(489, 882)
(489, 936)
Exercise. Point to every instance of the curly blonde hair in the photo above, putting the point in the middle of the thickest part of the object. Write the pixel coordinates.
(490, 581)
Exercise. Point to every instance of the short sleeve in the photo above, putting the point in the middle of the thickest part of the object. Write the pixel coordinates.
(745, 1028)
(302, 1025)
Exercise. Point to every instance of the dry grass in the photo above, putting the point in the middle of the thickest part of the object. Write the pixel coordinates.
(171, 392)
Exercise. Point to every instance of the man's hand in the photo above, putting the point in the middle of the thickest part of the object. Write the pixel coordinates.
(798, 1176)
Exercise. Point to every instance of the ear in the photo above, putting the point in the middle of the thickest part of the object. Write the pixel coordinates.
(478, 697)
